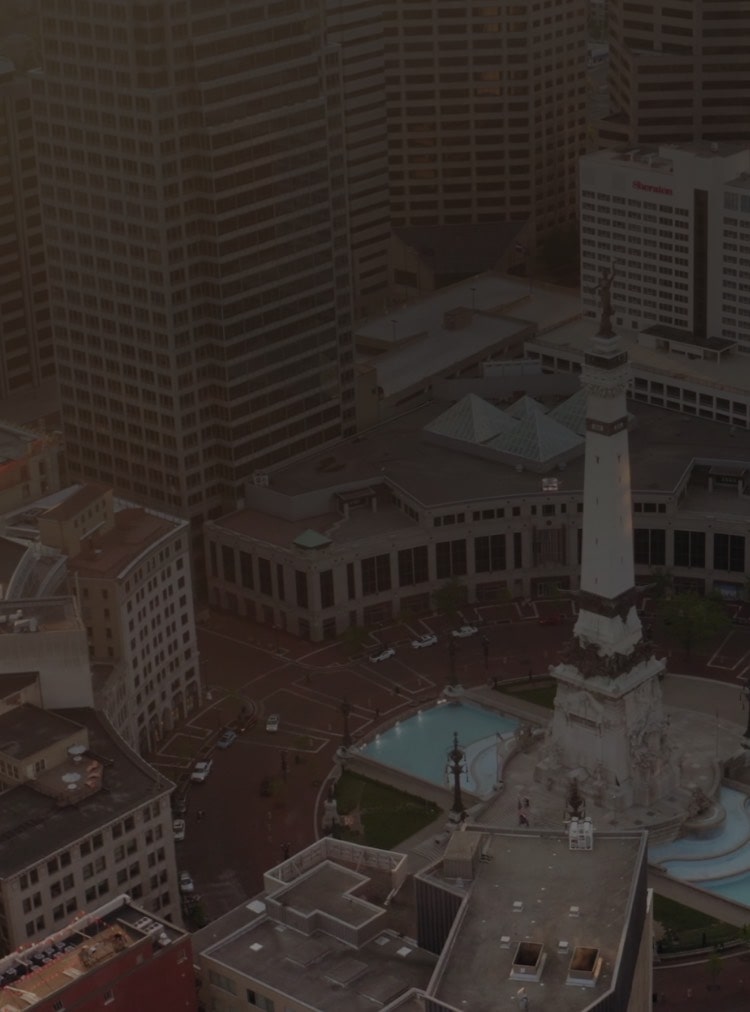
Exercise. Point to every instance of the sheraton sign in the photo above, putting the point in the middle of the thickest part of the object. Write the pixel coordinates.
(652, 188)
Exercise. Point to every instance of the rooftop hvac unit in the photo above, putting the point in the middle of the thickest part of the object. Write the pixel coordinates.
(260, 478)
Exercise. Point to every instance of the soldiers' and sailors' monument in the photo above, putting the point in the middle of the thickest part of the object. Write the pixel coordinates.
(609, 729)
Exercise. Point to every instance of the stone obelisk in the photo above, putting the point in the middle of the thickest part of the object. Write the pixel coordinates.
(608, 728)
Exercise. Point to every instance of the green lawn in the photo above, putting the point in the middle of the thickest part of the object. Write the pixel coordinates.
(689, 929)
(388, 816)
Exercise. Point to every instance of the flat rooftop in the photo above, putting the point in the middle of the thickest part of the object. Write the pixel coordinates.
(346, 886)
(135, 531)
(52, 614)
(730, 375)
(324, 972)
(27, 730)
(33, 825)
(663, 445)
(82, 947)
(443, 349)
(542, 874)
(81, 497)
(417, 345)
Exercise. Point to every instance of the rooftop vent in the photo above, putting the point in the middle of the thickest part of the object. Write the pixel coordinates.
(584, 967)
(581, 834)
(528, 961)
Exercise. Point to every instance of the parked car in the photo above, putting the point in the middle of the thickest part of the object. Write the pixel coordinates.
(201, 771)
(186, 882)
(178, 828)
(383, 655)
(226, 739)
(266, 787)
(272, 722)
(465, 630)
(425, 640)
(555, 618)
(179, 804)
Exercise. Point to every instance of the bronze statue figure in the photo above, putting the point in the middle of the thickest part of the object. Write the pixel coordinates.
(605, 289)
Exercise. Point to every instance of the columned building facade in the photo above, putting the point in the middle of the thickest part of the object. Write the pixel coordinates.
(504, 547)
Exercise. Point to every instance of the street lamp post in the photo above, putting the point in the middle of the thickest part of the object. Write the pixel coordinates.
(746, 735)
(456, 768)
(346, 709)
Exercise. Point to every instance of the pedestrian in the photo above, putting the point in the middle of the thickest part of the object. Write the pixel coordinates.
(531, 675)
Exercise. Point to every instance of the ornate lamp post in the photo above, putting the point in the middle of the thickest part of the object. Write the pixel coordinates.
(746, 735)
(456, 768)
(346, 709)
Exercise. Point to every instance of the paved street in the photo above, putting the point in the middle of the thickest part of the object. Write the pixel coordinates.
(245, 666)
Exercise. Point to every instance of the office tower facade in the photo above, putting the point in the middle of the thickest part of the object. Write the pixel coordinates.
(486, 111)
(193, 195)
(674, 222)
(83, 818)
(679, 71)
(26, 349)
(356, 28)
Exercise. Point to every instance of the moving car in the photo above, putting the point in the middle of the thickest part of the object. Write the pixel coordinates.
(272, 723)
(383, 655)
(186, 882)
(465, 630)
(201, 771)
(425, 640)
(178, 828)
(226, 739)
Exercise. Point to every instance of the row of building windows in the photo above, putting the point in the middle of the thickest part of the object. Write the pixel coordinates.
(501, 552)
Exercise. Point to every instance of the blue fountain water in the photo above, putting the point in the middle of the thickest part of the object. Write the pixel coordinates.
(419, 745)
(719, 863)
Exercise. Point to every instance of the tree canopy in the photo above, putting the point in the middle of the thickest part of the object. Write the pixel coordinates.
(449, 598)
(694, 619)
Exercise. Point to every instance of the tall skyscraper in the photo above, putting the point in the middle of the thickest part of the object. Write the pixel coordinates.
(356, 27)
(26, 349)
(486, 111)
(193, 172)
(679, 71)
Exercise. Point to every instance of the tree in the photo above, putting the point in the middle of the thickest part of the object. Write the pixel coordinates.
(449, 598)
(353, 639)
(694, 619)
(660, 584)
(714, 966)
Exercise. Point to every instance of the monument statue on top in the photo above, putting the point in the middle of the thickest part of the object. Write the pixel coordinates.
(605, 290)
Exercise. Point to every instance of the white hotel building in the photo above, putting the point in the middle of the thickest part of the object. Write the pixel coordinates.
(674, 222)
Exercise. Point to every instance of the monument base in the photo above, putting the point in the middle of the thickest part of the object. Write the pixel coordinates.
(610, 733)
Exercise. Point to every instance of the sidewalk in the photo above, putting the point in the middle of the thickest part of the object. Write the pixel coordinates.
(688, 985)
